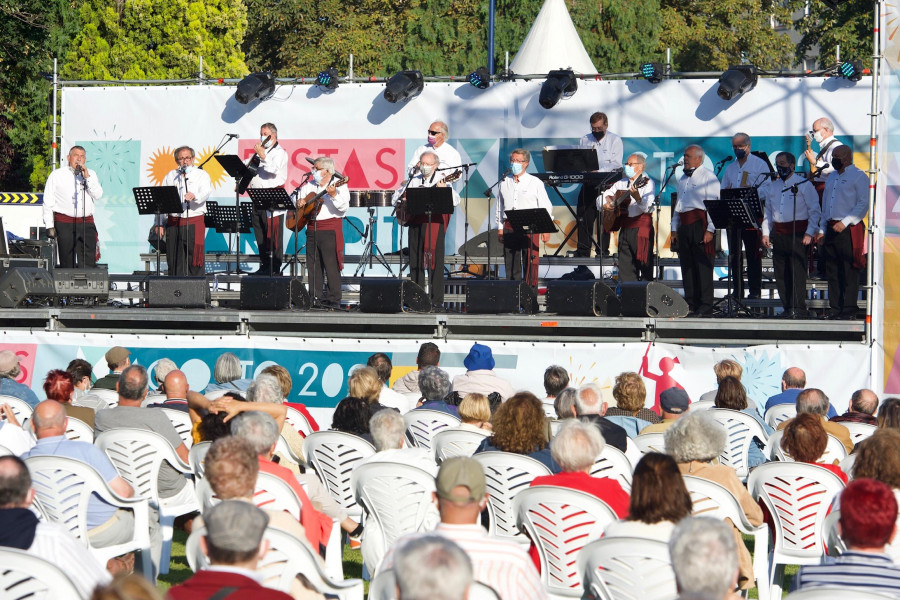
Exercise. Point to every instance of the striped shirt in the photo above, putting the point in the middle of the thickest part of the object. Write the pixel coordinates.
(859, 570)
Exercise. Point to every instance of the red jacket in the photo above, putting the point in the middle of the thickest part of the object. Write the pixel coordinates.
(317, 525)
(206, 583)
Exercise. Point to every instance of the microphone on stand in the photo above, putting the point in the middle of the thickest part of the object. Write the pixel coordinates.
(488, 192)
(727, 159)
(232, 135)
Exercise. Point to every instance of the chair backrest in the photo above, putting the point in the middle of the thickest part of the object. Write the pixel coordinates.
(778, 413)
(383, 587)
(138, 455)
(273, 493)
(625, 568)
(561, 522)
(216, 394)
(651, 442)
(834, 449)
(741, 429)
(20, 408)
(710, 499)
(506, 475)
(298, 421)
(196, 456)
(283, 448)
(423, 424)
(111, 397)
(702, 405)
(182, 423)
(613, 463)
(27, 577)
(450, 443)
(79, 431)
(833, 593)
(798, 496)
(834, 543)
(858, 431)
(334, 455)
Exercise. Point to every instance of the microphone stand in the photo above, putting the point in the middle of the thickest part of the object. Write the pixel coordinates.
(294, 200)
(669, 172)
(489, 194)
(793, 190)
(229, 137)
(406, 183)
(184, 222)
(465, 167)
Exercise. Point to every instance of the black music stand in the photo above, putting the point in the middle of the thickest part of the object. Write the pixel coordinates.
(728, 213)
(270, 200)
(429, 201)
(227, 219)
(236, 169)
(530, 221)
(157, 200)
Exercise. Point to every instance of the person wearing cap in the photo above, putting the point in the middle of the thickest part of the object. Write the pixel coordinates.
(479, 376)
(117, 358)
(9, 371)
(234, 544)
(673, 402)
(461, 496)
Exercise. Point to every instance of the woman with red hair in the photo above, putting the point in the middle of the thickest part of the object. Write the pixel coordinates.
(60, 386)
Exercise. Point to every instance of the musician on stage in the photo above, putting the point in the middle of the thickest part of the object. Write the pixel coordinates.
(186, 231)
(325, 235)
(268, 225)
(693, 231)
(747, 171)
(68, 212)
(438, 134)
(845, 203)
(634, 193)
(426, 239)
(518, 191)
(820, 167)
(791, 220)
(609, 156)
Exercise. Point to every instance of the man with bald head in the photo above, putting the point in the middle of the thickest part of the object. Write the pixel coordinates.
(863, 404)
(793, 381)
(814, 401)
(438, 136)
(176, 387)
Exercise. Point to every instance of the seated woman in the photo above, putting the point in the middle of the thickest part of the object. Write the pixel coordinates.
(228, 373)
(519, 426)
(732, 395)
(351, 415)
(659, 500)
(60, 386)
(364, 383)
(475, 413)
(564, 402)
(629, 412)
(804, 439)
(286, 383)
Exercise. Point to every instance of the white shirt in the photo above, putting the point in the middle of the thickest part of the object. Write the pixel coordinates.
(826, 158)
(55, 544)
(609, 150)
(15, 439)
(272, 173)
(754, 168)
(392, 399)
(780, 204)
(846, 197)
(692, 191)
(447, 154)
(528, 192)
(64, 193)
(420, 180)
(333, 207)
(197, 182)
(635, 208)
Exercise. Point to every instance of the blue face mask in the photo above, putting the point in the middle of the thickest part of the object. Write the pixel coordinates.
(740, 153)
(516, 168)
(629, 171)
(317, 177)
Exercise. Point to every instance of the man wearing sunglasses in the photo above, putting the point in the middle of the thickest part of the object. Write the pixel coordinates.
(438, 134)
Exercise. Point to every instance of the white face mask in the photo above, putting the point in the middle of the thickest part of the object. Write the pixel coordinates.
(317, 176)
(818, 136)
(262, 140)
(427, 170)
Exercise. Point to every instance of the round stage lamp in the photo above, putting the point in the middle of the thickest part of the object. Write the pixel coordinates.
(328, 78)
(257, 86)
(852, 70)
(404, 86)
(480, 78)
(559, 84)
(653, 72)
(737, 80)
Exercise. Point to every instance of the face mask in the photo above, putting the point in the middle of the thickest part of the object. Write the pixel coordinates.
(317, 177)
(688, 172)
(629, 171)
(432, 139)
(516, 168)
(818, 136)
(598, 135)
(784, 172)
(837, 163)
(262, 140)
(740, 153)
(189, 168)
(427, 170)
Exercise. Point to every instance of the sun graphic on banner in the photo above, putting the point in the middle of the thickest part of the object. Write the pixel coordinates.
(891, 16)
(217, 174)
(159, 165)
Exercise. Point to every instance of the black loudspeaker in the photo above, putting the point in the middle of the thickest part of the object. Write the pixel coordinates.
(492, 297)
(177, 292)
(567, 297)
(26, 286)
(389, 295)
(273, 293)
(651, 299)
(82, 287)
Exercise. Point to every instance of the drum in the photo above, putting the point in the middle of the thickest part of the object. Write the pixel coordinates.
(357, 198)
(378, 198)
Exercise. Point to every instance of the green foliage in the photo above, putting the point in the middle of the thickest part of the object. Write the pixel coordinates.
(618, 35)
(849, 26)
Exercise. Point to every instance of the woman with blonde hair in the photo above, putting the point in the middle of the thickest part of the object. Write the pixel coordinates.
(475, 413)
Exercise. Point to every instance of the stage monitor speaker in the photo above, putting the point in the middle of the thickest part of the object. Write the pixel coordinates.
(177, 292)
(273, 293)
(493, 297)
(651, 299)
(389, 295)
(568, 297)
(82, 287)
(26, 286)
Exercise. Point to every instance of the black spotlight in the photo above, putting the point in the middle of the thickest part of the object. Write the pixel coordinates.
(653, 72)
(257, 86)
(480, 78)
(560, 84)
(404, 86)
(852, 70)
(737, 80)
(328, 78)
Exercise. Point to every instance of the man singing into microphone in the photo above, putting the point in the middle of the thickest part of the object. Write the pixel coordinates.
(69, 197)
(186, 231)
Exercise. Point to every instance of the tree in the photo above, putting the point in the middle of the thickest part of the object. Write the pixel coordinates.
(848, 26)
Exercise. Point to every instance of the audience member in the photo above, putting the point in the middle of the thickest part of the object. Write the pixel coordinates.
(705, 559)
(81, 371)
(127, 587)
(228, 375)
(733, 396)
(60, 386)
(12, 436)
(431, 567)
(556, 379)
(284, 379)
(388, 397)
(878, 457)
(674, 403)
(161, 368)
(267, 390)
(629, 411)
(175, 387)
(793, 381)
(805, 440)
(117, 359)
(351, 415)
(589, 406)
(475, 414)
(434, 385)
(429, 356)
(9, 371)
(519, 427)
(564, 403)
(889, 414)
(813, 400)
(479, 376)
(722, 369)
(364, 383)
(863, 404)
(389, 434)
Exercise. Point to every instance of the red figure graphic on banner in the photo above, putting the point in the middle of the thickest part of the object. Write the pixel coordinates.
(663, 381)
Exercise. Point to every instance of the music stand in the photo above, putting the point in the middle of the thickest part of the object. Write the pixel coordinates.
(270, 200)
(227, 219)
(530, 221)
(429, 201)
(570, 159)
(236, 169)
(730, 212)
(157, 200)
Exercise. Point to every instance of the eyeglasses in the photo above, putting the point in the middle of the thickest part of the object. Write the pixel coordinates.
(632, 164)
(182, 158)
(430, 132)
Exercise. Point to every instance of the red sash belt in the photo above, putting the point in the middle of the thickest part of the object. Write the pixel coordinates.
(644, 225)
(792, 226)
(335, 224)
(857, 241)
(67, 219)
(198, 259)
(689, 217)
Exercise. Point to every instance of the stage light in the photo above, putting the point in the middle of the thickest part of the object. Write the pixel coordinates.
(480, 78)
(404, 86)
(653, 72)
(737, 80)
(328, 78)
(852, 70)
(559, 84)
(257, 86)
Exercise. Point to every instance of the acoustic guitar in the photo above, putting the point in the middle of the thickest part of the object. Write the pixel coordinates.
(612, 217)
(297, 220)
(252, 169)
(402, 208)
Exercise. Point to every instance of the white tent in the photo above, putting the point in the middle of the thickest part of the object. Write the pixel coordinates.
(552, 43)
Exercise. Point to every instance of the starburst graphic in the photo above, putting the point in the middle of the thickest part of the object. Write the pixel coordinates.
(891, 17)
(761, 376)
(159, 165)
(217, 174)
(579, 375)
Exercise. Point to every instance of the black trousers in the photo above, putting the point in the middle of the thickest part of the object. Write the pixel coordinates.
(843, 279)
(180, 252)
(76, 244)
(322, 261)
(750, 240)
(589, 222)
(269, 241)
(518, 251)
(418, 237)
(696, 267)
(630, 268)
(790, 259)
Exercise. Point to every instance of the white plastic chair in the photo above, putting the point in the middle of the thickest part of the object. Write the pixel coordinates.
(138, 455)
(858, 431)
(79, 431)
(4, 451)
(398, 500)
(216, 394)
(702, 405)
(741, 429)
(383, 587)
(506, 475)
(835, 452)
(798, 496)
(182, 423)
(284, 449)
(111, 397)
(423, 424)
(451, 443)
(778, 413)
(632, 451)
(196, 456)
(64, 487)
(298, 421)
(613, 463)
(273, 493)
(833, 541)
(626, 568)
(710, 499)
(93, 401)
(651, 442)
(20, 408)
(334, 455)
(287, 557)
(561, 522)
(25, 576)
(833, 593)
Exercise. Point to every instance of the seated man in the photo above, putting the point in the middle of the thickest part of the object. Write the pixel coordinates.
(430, 567)
(793, 381)
(815, 401)
(704, 558)
(429, 356)
(9, 371)
(434, 384)
(175, 386)
(863, 404)
(590, 407)
(479, 376)
(117, 359)
(388, 429)
(556, 379)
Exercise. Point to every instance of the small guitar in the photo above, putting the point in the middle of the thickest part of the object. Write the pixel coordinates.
(297, 220)
(612, 216)
(402, 208)
(252, 170)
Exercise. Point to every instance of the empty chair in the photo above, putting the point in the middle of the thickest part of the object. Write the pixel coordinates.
(778, 413)
(384, 587)
(456, 442)
(20, 408)
(334, 455)
(703, 405)
(613, 463)
(196, 455)
(423, 424)
(650, 442)
(627, 569)
(182, 423)
(507, 474)
(28, 577)
(78, 430)
(742, 429)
